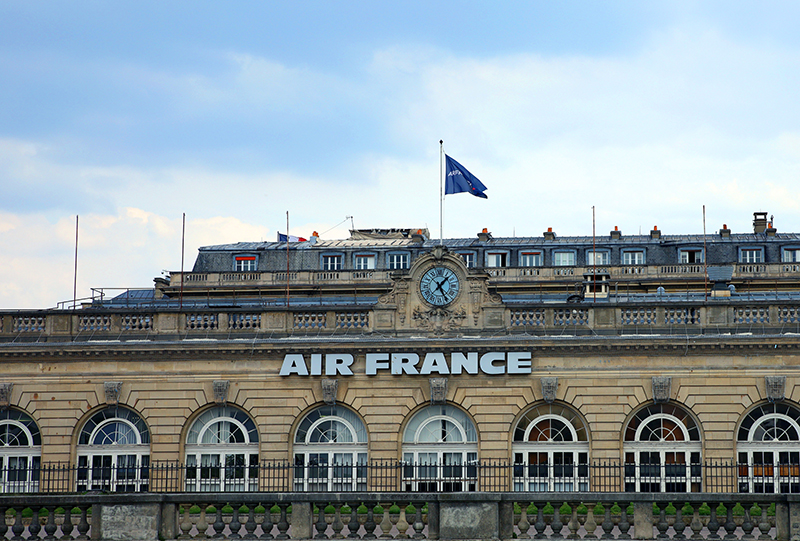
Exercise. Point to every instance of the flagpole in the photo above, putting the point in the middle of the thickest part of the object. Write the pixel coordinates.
(75, 279)
(287, 259)
(441, 194)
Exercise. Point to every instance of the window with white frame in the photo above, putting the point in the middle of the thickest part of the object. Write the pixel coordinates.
(20, 452)
(114, 452)
(222, 452)
(530, 259)
(790, 255)
(440, 451)
(496, 259)
(364, 261)
(691, 255)
(662, 450)
(469, 258)
(597, 258)
(751, 255)
(563, 259)
(245, 263)
(332, 262)
(768, 449)
(551, 451)
(330, 451)
(398, 261)
(633, 257)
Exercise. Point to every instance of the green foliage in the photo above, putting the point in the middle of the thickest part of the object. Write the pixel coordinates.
(771, 510)
(738, 510)
(244, 509)
(377, 510)
(411, 510)
(27, 512)
(629, 510)
(227, 509)
(548, 509)
(583, 510)
(670, 510)
(59, 510)
(616, 509)
(194, 510)
(532, 509)
(722, 511)
(345, 510)
(755, 511)
(260, 509)
(211, 510)
(362, 509)
(687, 510)
(704, 510)
(329, 509)
(565, 510)
(275, 509)
(44, 512)
(394, 509)
(656, 510)
(598, 510)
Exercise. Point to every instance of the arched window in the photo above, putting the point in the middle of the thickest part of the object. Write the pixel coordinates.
(440, 451)
(551, 451)
(20, 452)
(330, 451)
(662, 451)
(222, 452)
(768, 446)
(114, 452)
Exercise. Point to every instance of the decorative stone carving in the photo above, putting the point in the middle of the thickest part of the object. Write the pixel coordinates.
(112, 389)
(776, 388)
(439, 320)
(438, 390)
(329, 389)
(662, 388)
(5, 394)
(221, 387)
(549, 388)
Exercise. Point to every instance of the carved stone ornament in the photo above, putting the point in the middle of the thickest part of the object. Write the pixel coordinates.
(329, 389)
(662, 388)
(438, 390)
(112, 389)
(439, 320)
(221, 387)
(5, 394)
(776, 388)
(549, 388)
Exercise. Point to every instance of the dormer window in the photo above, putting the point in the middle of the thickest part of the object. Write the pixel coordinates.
(692, 255)
(496, 259)
(245, 263)
(469, 258)
(633, 257)
(751, 255)
(530, 259)
(597, 258)
(563, 259)
(365, 261)
(332, 262)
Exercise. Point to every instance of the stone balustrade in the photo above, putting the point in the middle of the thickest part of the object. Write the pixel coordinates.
(499, 515)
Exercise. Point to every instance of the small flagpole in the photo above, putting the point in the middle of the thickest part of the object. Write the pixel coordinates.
(441, 193)
(287, 259)
(75, 279)
(705, 256)
(594, 259)
(183, 246)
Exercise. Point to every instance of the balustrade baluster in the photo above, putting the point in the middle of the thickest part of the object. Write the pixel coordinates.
(18, 528)
(353, 524)
(764, 526)
(235, 525)
(83, 525)
(283, 523)
(748, 526)
(556, 525)
(402, 523)
(713, 524)
(524, 525)
(219, 525)
(185, 523)
(266, 524)
(625, 524)
(250, 525)
(202, 523)
(320, 525)
(608, 525)
(730, 525)
(337, 523)
(3, 525)
(386, 523)
(662, 525)
(50, 526)
(370, 526)
(540, 524)
(419, 524)
(66, 526)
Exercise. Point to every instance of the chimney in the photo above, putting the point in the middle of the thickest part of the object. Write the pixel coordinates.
(616, 234)
(549, 234)
(759, 222)
(417, 237)
(484, 236)
(655, 233)
(724, 232)
(770, 231)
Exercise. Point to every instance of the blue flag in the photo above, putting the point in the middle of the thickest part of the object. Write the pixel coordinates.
(460, 180)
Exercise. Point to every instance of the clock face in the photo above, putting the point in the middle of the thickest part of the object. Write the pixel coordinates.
(439, 286)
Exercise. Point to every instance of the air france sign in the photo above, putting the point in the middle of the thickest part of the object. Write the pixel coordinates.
(494, 363)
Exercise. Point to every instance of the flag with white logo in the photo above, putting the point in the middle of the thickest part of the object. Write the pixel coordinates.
(460, 180)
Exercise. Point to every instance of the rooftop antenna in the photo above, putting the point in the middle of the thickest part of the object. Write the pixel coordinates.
(352, 224)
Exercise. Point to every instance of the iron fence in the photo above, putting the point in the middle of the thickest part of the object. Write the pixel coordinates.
(398, 476)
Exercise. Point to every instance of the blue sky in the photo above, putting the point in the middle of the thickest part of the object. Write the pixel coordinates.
(132, 113)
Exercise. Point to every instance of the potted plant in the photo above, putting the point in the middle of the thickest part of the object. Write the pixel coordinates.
(687, 514)
(670, 514)
(361, 514)
(738, 514)
(227, 513)
(548, 511)
(704, 512)
(599, 513)
(771, 515)
(582, 511)
(616, 513)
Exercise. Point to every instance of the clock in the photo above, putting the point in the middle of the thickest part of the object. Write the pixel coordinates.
(439, 286)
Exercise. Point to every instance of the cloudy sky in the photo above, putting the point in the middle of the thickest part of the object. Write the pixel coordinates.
(129, 114)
